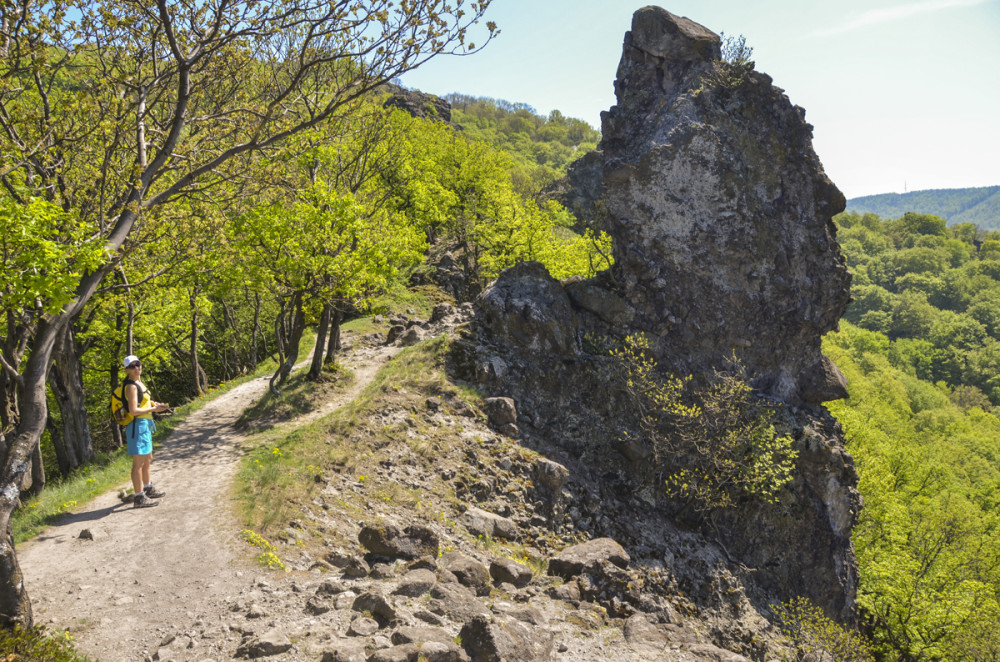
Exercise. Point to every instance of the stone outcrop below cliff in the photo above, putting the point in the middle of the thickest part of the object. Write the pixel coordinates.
(723, 239)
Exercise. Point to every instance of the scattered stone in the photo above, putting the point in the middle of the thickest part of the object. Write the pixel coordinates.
(508, 570)
(376, 605)
(469, 572)
(272, 642)
(362, 626)
(389, 542)
(346, 650)
(488, 525)
(415, 583)
(572, 560)
(487, 638)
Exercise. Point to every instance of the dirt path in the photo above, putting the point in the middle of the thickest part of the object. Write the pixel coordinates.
(153, 571)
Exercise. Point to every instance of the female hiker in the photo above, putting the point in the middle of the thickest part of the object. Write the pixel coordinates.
(139, 433)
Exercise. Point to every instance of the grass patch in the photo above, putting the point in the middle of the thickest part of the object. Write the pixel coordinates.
(288, 467)
(37, 645)
(298, 396)
(419, 299)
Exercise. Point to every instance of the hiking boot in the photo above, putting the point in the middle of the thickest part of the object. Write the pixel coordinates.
(153, 493)
(140, 500)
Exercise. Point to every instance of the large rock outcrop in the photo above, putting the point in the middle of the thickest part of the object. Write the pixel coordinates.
(721, 212)
(721, 218)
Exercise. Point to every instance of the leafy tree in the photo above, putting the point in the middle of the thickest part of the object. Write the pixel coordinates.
(112, 110)
(325, 247)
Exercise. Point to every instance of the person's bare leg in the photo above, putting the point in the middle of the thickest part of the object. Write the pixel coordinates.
(137, 466)
(147, 461)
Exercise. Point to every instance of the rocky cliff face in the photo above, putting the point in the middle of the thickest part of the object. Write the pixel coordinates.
(721, 212)
(721, 218)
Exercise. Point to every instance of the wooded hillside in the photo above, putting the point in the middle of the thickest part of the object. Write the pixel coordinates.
(980, 206)
(921, 348)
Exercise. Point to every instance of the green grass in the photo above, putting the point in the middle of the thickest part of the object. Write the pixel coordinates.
(287, 466)
(297, 396)
(37, 645)
(420, 299)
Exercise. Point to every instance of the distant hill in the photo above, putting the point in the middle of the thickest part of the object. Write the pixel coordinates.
(956, 205)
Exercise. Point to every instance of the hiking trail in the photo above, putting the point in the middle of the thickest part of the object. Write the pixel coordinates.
(152, 571)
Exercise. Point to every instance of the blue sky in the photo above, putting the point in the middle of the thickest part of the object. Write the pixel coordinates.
(902, 95)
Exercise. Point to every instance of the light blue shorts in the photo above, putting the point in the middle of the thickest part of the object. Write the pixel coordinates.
(139, 434)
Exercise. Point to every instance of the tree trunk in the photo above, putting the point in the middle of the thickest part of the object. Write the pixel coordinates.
(289, 328)
(66, 382)
(14, 346)
(37, 483)
(316, 370)
(256, 332)
(15, 607)
(198, 375)
(333, 346)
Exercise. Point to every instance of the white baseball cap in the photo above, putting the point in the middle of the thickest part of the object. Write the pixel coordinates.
(130, 359)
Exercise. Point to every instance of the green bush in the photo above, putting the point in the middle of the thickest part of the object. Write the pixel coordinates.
(712, 444)
(814, 636)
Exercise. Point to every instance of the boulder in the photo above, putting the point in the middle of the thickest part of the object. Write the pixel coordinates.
(574, 559)
(489, 525)
(550, 475)
(526, 306)
(415, 583)
(272, 642)
(455, 602)
(376, 605)
(346, 650)
(362, 626)
(468, 571)
(387, 541)
(502, 639)
(500, 411)
(510, 571)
